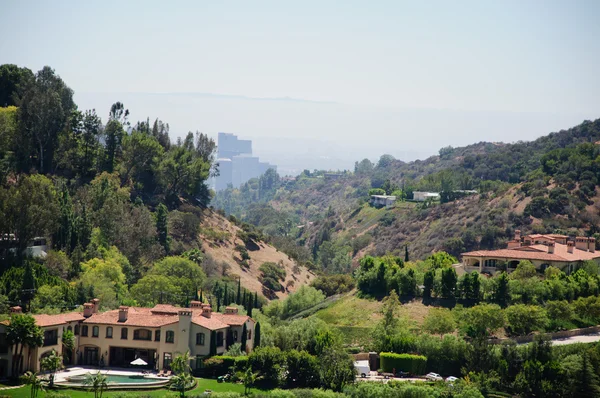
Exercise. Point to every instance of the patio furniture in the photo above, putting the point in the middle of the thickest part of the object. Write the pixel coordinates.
(161, 373)
(169, 373)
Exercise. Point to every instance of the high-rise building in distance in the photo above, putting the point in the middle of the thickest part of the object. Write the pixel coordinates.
(236, 163)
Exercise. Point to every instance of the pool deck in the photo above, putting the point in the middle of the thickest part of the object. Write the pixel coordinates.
(61, 378)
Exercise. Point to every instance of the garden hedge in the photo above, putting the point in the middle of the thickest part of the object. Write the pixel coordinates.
(414, 364)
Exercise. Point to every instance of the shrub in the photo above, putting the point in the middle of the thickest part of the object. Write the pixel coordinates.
(220, 365)
(414, 364)
(376, 191)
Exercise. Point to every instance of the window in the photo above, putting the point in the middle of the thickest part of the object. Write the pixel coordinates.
(199, 362)
(220, 339)
(69, 328)
(109, 332)
(235, 335)
(142, 334)
(167, 358)
(50, 337)
(76, 330)
(123, 333)
(95, 331)
(199, 338)
(490, 263)
(170, 336)
(157, 335)
(84, 330)
(249, 334)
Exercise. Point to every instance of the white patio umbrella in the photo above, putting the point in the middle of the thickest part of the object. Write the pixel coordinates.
(139, 362)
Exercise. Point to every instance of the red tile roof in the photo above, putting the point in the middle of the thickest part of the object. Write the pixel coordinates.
(165, 314)
(537, 252)
(44, 320)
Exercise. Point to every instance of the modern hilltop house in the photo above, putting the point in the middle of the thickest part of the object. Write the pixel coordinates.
(542, 250)
(115, 338)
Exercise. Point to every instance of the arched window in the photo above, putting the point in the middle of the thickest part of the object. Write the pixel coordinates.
(170, 336)
(142, 334)
(200, 338)
(76, 330)
(95, 331)
(109, 331)
(84, 330)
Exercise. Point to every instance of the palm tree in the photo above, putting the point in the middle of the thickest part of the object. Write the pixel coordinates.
(22, 331)
(97, 382)
(51, 363)
(68, 342)
(32, 379)
(181, 363)
(249, 379)
(182, 381)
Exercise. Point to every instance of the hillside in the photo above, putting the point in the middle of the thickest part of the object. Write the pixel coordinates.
(220, 240)
(545, 185)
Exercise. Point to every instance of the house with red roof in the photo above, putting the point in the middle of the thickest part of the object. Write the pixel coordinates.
(117, 337)
(560, 251)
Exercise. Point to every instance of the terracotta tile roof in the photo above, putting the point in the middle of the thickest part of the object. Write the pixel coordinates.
(136, 316)
(515, 254)
(537, 252)
(577, 255)
(44, 320)
(212, 323)
(165, 309)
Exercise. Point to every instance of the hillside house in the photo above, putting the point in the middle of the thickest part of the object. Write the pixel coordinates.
(115, 338)
(420, 196)
(382, 200)
(542, 250)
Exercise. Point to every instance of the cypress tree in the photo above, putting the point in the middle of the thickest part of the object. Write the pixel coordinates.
(249, 306)
(201, 296)
(255, 300)
(162, 227)
(226, 297)
(405, 253)
(257, 335)
(244, 299)
(238, 300)
(213, 343)
(244, 337)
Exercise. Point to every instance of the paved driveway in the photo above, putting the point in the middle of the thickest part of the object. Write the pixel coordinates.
(588, 338)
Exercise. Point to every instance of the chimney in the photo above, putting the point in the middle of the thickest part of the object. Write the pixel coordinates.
(123, 311)
(581, 243)
(88, 310)
(96, 303)
(231, 310)
(518, 235)
(570, 246)
(195, 304)
(550, 247)
(592, 245)
(206, 310)
(16, 310)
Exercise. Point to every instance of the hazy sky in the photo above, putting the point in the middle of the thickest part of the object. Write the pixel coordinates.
(520, 68)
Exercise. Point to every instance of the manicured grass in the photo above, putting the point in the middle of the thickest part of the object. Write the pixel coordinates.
(203, 384)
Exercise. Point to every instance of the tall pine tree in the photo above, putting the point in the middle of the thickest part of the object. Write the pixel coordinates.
(256, 335)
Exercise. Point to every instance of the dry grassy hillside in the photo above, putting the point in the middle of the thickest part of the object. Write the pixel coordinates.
(219, 240)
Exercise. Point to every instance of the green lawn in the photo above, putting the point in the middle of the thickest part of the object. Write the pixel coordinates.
(203, 384)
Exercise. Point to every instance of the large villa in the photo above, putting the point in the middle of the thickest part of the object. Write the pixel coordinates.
(116, 338)
(542, 250)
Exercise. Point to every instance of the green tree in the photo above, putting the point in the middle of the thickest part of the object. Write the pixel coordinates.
(113, 135)
(68, 342)
(439, 321)
(32, 379)
(428, 281)
(449, 280)
(51, 363)
(249, 379)
(244, 337)
(30, 209)
(525, 269)
(162, 227)
(44, 110)
(97, 382)
(181, 363)
(302, 370)
(269, 363)
(13, 80)
(481, 320)
(523, 319)
(141, 154)
(502, 293)
(337, 369)
(388, 325)
(256, 335)
(155, 289)
(21, 332)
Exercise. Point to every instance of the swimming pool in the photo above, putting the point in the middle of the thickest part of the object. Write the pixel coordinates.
(117, 381)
